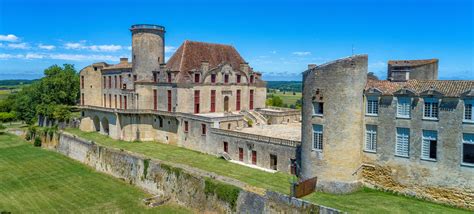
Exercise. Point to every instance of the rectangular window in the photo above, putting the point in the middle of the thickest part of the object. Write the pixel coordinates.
(403, 107)
(237, 104)
(169, 77)
(82, 82)
(318, 108)
(197, 78)
(468, 109)
(120, 100)
(169, 100)
(115, 101)
(134, 77)
(110, 82)
(213, 78)
(226, 78)
(371, 138)
(155, 99)
(155, 77)
(110, 100)
(251, 100)
(254, 157)
(120, 82)
(402, 146)
(468, 149)
(251, 78)
(238, 77)
(241, 154)
(203, 129)
(429, 145)
(226, 147)
(372, 108)
(317, 137)
(186, 126)
(105, 100)
(273, 162)
(196, 101)
(105, 83)
(82, 99)
(115, 82)
(213, 100)
(430, 108)
(125, 102)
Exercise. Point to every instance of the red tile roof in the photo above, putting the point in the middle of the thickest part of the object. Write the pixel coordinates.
(449, 88)
(191, 54)
(411, 62)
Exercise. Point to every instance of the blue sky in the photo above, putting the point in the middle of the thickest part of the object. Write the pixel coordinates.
(278, 38)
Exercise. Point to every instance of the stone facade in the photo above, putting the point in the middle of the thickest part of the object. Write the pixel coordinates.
(403, 70)
(203, 86)
(363, 126)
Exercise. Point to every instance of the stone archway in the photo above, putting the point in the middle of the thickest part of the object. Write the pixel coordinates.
(96, 124)
(226, 104)
(105, 126)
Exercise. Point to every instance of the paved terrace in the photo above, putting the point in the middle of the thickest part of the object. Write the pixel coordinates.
(290, 131)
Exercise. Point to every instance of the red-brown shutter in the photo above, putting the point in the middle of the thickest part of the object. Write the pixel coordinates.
(226, 148)
(251, 100)
(254, 157)
(155, 100)
(82, 82)
(169, 100)
(196, 102)
(241, 154)
(125, 101)
(238, 101)
(115, 98)
(238, 78)
(213, 100)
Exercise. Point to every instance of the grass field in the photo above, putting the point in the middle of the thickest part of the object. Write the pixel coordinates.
(33, 180)
(288, 98)
(363, 201)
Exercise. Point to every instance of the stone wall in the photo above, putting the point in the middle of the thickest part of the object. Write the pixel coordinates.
(187, 186)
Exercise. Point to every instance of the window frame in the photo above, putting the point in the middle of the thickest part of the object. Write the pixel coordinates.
(464, 141)
(468, 102)
(430, 100)
(373, 139)
(317, 131)
(397, 133)
(426, 138)
(399, 106)
(317, 108)
(370, 99)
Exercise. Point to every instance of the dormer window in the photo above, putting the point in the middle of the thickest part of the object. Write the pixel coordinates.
(403, 107)
(226, 78)
(197, 77)
(238, 77)
(468, 109)
(372, 108)
(169, 77)
(430, 108)
(251, 78)
(213, 78)
(155, 77)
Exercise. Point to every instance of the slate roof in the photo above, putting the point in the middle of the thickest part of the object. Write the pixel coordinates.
(449, 88)
(191, 54)
(411, 62)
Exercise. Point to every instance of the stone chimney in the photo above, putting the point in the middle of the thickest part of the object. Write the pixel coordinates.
(311, 66)
(244, 67)
(123, 60)
(204, 66)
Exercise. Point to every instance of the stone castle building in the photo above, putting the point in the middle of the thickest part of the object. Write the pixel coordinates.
(206, 97)
(412, 133)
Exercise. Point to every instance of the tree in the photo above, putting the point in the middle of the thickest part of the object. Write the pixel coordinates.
(6, 117)
(372, 76)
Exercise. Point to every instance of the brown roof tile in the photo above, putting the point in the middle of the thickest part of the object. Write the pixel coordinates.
(411, 62)
(449, 88)
(190, 55)
(118, 66)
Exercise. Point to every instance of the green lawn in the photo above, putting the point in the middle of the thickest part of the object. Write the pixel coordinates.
(288, 98)
(363, 201)
(34, 180)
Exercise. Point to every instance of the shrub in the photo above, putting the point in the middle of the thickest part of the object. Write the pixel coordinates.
(37, 142)
(224, 192)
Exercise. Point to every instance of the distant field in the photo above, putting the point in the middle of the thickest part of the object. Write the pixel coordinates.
(34, 180)
(288, 97)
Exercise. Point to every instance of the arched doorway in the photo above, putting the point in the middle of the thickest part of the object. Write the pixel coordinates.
(96, 124)
(105, 126)
(226, 104)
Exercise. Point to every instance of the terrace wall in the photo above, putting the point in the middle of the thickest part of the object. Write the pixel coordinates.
(187, 186)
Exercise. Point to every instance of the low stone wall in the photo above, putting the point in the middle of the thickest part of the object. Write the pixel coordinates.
(196, 189)
(382, 177)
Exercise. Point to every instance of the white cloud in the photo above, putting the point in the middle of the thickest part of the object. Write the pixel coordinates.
(46, 47)
(9, 38)
(129, 48)
(74, 46)
(301, 53)
(10, 56)
(273, 52)
(83, 57)
(18, 46)
(105, 48)
(34, 56)
(170, 49)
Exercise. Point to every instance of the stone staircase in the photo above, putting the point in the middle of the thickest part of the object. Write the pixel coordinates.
(257, 118)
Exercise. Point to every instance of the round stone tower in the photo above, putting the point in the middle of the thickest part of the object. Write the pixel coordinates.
(337, 87)
(148, 50)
